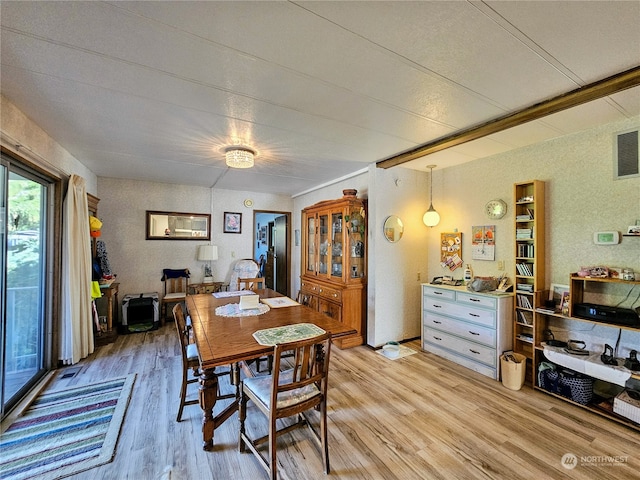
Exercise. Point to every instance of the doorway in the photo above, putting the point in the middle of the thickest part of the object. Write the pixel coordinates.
(272, 248)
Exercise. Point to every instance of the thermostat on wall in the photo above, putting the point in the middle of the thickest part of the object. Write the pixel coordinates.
(606, 238)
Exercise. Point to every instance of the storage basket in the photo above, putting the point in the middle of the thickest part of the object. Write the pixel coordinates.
(513, 373)
(567, 383)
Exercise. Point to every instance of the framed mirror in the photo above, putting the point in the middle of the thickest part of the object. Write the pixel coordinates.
(393, 228)
(178, 226)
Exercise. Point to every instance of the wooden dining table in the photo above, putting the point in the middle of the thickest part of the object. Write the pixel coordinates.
(228, 340)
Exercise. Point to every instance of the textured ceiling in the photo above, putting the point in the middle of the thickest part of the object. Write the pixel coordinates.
(157, 90)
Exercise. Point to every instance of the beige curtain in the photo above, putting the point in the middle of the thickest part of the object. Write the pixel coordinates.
(76, 329)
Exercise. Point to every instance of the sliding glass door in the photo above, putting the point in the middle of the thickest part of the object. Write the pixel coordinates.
(23, 283)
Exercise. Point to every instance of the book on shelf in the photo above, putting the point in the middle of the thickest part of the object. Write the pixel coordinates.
(523, 301)
(525, 337)
(524, 287)
(525, 318)
(525, 269)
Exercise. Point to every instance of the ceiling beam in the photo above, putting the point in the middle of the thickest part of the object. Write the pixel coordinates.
(602, 88)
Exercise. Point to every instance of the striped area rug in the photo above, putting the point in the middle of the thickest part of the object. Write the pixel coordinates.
(65, 432)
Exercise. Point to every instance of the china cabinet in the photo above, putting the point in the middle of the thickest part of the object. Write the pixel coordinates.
(334, 274)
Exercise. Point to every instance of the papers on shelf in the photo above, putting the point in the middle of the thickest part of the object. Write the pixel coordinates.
(278, 302)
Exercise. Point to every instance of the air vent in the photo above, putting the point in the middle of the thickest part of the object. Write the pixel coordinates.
(626, 154)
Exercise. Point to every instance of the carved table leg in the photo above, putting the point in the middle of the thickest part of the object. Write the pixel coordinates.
(208, 394)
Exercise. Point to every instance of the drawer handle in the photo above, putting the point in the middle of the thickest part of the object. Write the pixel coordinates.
(436, 321)
(474, 299)
(436, 306)
(474, 351)
(438, 338)
(438, 293)
(474, 315)
(473, 333)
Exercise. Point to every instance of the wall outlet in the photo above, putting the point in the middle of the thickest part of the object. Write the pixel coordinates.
(500, 264)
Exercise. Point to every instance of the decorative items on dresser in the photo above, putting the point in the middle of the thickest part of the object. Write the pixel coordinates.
(469, 328)
(334, 262)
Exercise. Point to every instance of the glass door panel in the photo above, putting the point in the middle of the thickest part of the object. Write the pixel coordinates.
(336, 244)
(323, 221)
(24, 287)
(311, 244)
(356, 228)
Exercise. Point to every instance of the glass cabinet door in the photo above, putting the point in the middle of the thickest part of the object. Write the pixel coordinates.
(356, 226)
(323, 238)
(311, 244)
(336, 244)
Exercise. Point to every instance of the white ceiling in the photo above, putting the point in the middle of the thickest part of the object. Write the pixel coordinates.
(157, 90)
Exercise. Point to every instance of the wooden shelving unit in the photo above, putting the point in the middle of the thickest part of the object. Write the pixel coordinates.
(529, 214)
(579, 288)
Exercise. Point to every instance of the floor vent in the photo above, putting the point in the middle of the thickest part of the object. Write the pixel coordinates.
(70, 372)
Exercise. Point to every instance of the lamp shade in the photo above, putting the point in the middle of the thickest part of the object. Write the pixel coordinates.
(207, 252)
(431, 218)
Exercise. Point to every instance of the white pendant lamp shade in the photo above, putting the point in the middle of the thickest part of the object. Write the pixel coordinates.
(431, 218)
(239, 157)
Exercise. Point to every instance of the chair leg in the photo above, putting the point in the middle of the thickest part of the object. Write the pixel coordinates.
(183, 393)
(242, 415)
(323, 436)
(273, 464)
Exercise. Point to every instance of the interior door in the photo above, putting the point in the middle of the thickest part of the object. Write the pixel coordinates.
(281, 274)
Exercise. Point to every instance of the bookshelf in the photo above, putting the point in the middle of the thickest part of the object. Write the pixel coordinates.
(529, 264)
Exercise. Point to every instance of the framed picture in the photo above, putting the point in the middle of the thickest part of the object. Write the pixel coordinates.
(557, 294)
(232, 222)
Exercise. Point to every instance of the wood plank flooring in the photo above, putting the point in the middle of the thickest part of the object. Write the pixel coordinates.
(418, 417)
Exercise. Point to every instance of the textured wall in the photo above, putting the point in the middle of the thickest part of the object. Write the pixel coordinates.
(39, 146)
(139, 262)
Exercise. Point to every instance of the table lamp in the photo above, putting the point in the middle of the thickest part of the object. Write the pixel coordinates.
(207, 253)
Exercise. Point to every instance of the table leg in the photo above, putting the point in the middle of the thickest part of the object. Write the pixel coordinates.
(208, 394)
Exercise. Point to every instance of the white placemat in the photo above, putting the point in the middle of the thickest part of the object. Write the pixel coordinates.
(233, 310)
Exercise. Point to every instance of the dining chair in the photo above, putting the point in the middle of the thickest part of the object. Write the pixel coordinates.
(191, 361)
(289, 393)
(176, 286)
(251, 283)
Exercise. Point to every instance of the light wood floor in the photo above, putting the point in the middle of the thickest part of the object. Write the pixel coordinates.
(419, 417)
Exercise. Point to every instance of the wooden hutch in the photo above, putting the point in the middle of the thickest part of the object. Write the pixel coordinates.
(334, 262)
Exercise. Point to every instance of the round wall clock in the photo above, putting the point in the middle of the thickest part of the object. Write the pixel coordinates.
(248, 203)
(495, 208)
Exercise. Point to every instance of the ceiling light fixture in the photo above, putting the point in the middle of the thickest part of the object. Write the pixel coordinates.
(239, 157)
(431, 218)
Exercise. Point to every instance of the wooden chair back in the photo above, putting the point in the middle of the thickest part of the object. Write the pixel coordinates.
(175, 281)
(256, 283)
(291, 392)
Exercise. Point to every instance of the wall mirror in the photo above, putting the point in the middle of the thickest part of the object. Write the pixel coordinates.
(393, 228)
(178, 226)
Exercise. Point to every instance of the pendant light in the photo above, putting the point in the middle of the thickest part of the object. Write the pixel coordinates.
(239, 157)
(431, 218)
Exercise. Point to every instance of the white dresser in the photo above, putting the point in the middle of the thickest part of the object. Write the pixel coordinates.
(471, 329)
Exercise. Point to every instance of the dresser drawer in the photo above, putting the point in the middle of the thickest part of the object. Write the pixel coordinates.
(477, 300)
(329, 293)
(439, 292)
(480, 316)
(468, 331)
(474, 351)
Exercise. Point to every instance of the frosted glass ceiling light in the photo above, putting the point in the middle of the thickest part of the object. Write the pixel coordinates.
(431, 218)
(239, 157)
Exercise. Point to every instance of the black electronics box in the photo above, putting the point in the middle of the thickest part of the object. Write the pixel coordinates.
(607, 314)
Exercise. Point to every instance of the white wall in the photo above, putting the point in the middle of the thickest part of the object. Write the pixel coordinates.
(138, 262)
